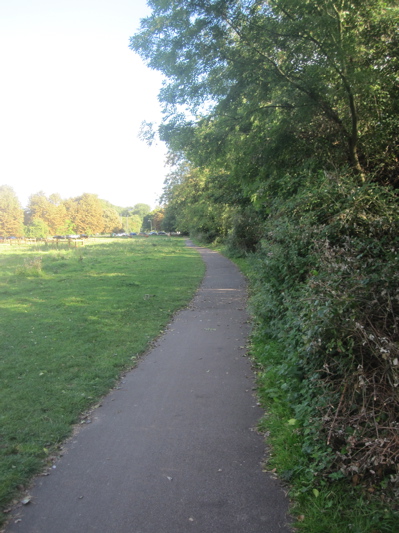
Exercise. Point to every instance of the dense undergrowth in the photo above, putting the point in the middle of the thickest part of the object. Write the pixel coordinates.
(325, 301)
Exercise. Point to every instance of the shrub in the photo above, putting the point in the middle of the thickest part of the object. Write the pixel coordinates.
(326, 288)
(245, 232)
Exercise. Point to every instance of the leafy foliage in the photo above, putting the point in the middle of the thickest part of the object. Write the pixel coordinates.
(298, 77)
(50, 211)
(326, 288)
(11, 214)
(111, 220)
(86, 213)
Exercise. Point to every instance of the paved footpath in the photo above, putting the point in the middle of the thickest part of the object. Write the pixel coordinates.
(173, 449)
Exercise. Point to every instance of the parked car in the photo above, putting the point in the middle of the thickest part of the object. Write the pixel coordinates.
(162, 233)
(153, 233)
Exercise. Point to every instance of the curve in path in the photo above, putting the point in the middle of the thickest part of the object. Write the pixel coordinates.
(173, 449)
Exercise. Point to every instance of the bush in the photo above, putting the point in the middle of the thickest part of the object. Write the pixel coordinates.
(326, 288)
(245, 233)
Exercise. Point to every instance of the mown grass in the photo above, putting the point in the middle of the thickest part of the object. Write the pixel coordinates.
(71, 321)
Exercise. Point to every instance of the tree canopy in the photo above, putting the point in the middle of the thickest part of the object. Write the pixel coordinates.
(294, 80)
(50, 210)
(11, 213)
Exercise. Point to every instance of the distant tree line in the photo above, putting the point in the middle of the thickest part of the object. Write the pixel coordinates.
(85, 214)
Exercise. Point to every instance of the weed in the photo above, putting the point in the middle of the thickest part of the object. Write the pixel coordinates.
(31, 268)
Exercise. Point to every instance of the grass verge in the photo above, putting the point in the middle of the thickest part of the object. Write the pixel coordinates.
(71, 321)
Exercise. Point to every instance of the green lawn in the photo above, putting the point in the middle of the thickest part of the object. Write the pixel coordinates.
(71, 320)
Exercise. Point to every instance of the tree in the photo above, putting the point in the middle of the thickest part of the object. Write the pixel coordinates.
(157, 218)
(133, 217)
(58, 213)
(11, 213)
(282, 114)
(111, 220)
(37, 229)
(86, 213)
(50, 210)
(135, 223)
(194, 203)
(153, 220)
(71, 206)
(140, 210)
(316, 75)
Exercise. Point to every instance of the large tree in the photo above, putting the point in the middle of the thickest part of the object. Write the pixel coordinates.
(11, 213)
(196, 202)
(86, 213)
(140, 210)
(304, 78)
(49, 210)
(58, 213)
(37, 229)
(111, 220)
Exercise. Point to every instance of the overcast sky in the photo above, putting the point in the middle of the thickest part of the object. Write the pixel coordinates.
(72, 98)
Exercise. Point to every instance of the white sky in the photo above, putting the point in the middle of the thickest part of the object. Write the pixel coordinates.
(72, 98)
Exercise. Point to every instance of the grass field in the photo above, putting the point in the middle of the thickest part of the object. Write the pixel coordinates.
(71, 321)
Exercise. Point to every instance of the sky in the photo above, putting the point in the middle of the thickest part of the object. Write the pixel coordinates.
(72, 98)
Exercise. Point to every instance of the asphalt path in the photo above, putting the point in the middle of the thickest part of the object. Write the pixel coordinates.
(174, 448)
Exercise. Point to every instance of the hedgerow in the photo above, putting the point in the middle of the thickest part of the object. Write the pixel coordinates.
(326, 287)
